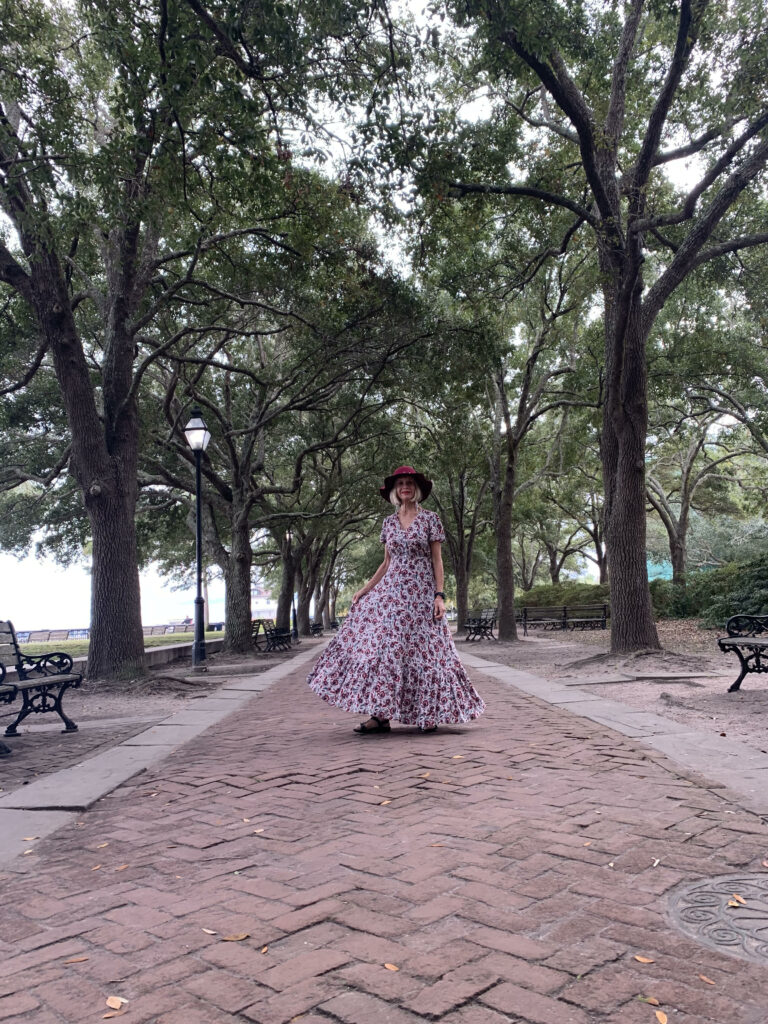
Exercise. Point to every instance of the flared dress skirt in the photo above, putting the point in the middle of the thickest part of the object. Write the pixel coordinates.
(390, 657)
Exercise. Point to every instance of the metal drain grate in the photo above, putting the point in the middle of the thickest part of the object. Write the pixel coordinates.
(728, 914)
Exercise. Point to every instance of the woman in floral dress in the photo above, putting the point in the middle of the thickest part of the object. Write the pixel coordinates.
(394, 657)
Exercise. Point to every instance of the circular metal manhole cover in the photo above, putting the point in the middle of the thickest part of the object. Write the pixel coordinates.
(729, 914)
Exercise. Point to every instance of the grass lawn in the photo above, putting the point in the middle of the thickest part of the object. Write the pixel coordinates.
(78, 648)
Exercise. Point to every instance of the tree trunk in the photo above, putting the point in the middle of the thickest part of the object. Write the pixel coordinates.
(237, 582)
(601, 561)
(625, 419)
(285, 597)
(677, 551)
(116, 649)
(505, 566)
(462, 594)
(103, 461)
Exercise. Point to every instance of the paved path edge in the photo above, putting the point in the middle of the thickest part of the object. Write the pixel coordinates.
(719, 763)
(50, 803)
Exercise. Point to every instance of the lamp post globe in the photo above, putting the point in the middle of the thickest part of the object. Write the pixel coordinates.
(198, 436)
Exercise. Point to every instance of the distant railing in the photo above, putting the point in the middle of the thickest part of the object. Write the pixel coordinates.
(45, 636)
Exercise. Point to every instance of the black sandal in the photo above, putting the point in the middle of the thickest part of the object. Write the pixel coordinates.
(382, 725)
(430, 728)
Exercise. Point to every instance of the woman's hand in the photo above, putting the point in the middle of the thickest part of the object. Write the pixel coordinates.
(360, 593)
(439, 609)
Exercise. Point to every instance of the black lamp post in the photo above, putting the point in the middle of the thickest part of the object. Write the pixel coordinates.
(198, 436)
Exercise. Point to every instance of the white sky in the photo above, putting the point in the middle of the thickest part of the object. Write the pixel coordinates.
(38, 594)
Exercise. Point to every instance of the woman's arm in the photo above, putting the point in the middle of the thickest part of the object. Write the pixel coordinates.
(435, 548)
(366, 588)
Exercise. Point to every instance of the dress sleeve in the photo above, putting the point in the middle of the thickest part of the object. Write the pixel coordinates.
(436, 531)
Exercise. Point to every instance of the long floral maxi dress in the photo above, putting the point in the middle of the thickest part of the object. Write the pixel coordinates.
(391, 658)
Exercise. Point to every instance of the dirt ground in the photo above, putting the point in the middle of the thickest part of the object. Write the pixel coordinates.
(687, 683)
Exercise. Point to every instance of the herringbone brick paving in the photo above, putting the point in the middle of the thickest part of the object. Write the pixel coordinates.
(269, 871)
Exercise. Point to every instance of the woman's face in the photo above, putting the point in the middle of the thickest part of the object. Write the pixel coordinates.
(405, 488)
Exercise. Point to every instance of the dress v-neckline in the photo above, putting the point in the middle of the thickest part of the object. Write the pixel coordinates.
(405, 529)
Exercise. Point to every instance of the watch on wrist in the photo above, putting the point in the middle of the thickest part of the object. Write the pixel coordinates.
(439, 593)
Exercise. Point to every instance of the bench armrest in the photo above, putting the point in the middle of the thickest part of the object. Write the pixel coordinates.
(56, 663)
(746, 625)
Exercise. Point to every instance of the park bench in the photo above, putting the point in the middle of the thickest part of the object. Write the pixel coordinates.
(480, 626)
(42, 681)
(748, 640)
(576, 616)
(267, 636)
(316, 629)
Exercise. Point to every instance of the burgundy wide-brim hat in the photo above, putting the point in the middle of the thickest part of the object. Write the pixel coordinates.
(425, 486)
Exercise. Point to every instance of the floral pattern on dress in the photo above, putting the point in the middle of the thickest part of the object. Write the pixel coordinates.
(390, 657)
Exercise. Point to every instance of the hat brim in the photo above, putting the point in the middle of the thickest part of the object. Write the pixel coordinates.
(425, 486)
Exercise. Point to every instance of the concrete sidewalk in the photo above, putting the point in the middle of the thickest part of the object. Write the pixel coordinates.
(535, 867)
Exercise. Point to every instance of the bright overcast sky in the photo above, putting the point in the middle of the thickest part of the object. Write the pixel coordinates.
(38, 594)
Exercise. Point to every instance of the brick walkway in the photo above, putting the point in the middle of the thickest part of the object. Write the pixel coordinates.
(279, 868)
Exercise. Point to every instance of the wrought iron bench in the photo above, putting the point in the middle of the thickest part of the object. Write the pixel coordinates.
(267, 636)
(482, 625)
(279, 639)
(748, 640)
(576, 616)
(43, 679)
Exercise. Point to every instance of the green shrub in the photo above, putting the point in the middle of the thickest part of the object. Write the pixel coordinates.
(568, 593)
(713, 595)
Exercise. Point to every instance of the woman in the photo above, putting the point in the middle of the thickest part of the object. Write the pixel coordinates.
(394, 656)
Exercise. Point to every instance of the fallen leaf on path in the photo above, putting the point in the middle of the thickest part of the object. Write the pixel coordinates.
(765, 863)
(27, 853)
(256, 831)
(385, 802)
(661, 1017)
(96, 867)
(706, 980)
(424, 776)
(656, 862)
(76, 960)
(122, 867)
(236, 938)
(391, 967)
(651, 1000)
(588, 843)
(733, 903)
(28, 839)
(101, 846)
(740, 899)
(264, 949)
(112, 1013)
(643, 959)
(457, 757)
(115, 1002)
(437, 844)
(209, 931)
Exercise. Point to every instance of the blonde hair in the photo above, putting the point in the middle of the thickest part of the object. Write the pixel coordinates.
(417, 495)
